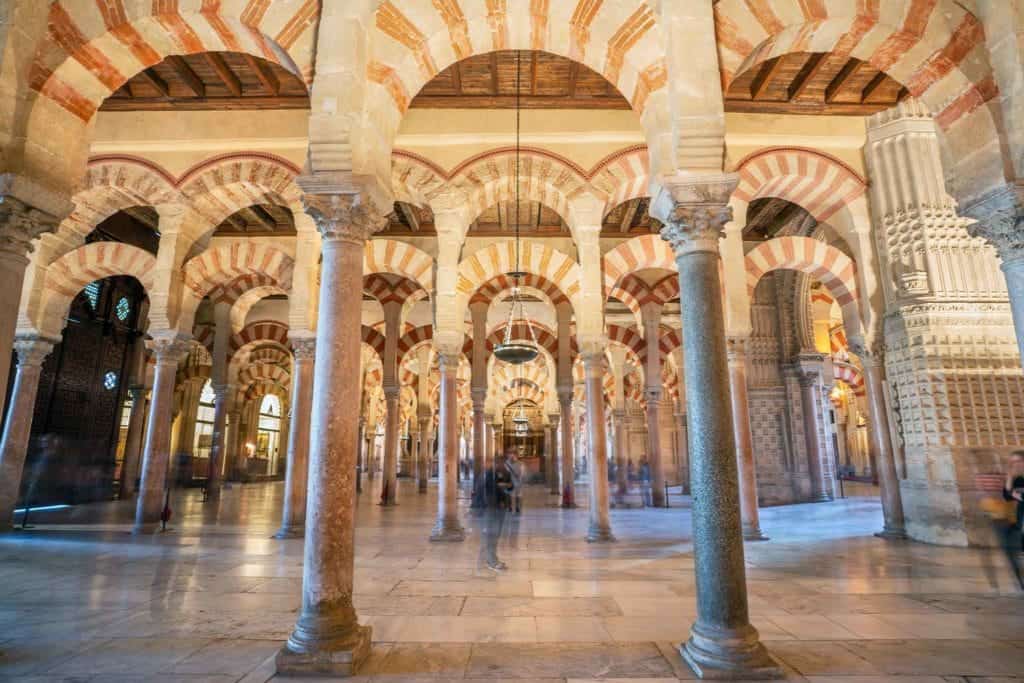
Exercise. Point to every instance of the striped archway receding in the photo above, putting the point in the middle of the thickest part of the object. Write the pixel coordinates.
(226, 263)
(267, 331)
(536, 258)
(399, 258)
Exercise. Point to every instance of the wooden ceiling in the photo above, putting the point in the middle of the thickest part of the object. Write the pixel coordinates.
(630, 218)
(813, 83)
(769, 217)
(258, 220)
(547, 81)
(210, 80)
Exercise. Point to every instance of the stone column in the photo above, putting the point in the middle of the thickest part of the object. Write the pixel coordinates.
(722, 642)
(234, 437)
(881, 443)
(169, 349)
(566, 456)
(479, 425)
(552, 473)
(448, 526)
(222, 396)
(389, 477)
(328, 639)
(371, 451)
(133, 442)
(809, 380)
(653, 399)
(600, 529)
(293, 515)
(737, 353)
(423, 456)
(20, 224)
(360, 454)
(31, 354)
(621, 447)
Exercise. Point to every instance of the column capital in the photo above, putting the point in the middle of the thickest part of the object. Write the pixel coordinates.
(479, 396)
(20, 224)
(392, 392)
(870, 355)
(653, 394)
(1000, 221)
(32, 351)
(303, 347)
(448, 361)
(347, 216)
(736, 348)
(694, 209)
(168, 346)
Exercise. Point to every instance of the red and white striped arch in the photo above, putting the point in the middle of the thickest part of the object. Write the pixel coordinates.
(546, 338)
(373, 339)
(640, 253)
(226, 263)
(258, 333)
(224, 185)
(936, 48)
(415, 179)
(95, 46)
(818, 183)
(414, 40)
(391, 288)
(631, 341)
(264, 371)
(623, 176)
(494, 287)
(834, 269)
(414, 338)
(399, 258)
(69, 274)
(537, 258)
(850, 375)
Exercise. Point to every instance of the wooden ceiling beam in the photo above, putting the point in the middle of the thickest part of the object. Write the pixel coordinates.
(574, 78)
(533, 73)
(769, 70)
(627, 220)
(187, 75)
(224, 72)
(263, 216)
(509, 102)
(872, 87)
(154, 80)
(494, 73)
(205, 103)
(410, 216)
(808, 73)
(457, 78)
(842, 79)
(264, 74)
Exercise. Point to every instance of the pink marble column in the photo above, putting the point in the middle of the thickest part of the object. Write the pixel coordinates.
(479, 425)
(600, 529)
(448, 526)
(566, 452)
(133, 442)
(654, 453)
(328, 639)
(14, 447)
(423, 456)
(749, 515)
(878, 426)
(552, 454)
(293, 514)
(169, 349)
(389, 478)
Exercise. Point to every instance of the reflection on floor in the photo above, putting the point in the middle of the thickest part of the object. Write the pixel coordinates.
(81, 599)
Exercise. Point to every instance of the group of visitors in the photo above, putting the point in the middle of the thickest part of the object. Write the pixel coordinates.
(635, 477)
(498, 493)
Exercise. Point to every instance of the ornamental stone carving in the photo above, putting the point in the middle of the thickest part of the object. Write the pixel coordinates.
(1000, 221)
(20, 224)
(344, 216)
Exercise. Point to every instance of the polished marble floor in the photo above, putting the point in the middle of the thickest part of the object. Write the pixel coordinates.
(82, 600)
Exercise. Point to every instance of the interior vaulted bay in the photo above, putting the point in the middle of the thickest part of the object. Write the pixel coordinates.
(558, 340)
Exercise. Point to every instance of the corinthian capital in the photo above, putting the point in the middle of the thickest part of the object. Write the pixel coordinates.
(345, 216)
(1000, 221)
(694, 210)
(20, 224)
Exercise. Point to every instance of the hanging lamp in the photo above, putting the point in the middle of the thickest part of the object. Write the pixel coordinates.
(517, 352)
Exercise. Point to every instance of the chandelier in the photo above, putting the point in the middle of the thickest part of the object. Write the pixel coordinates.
(517, 352)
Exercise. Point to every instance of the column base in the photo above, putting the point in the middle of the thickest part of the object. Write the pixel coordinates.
(147, 529)
(600, 535)
(754, 534)
(729, 655)
(341, 658)
(819, 498)
(892, 534)
(447, 533)
(290, 532)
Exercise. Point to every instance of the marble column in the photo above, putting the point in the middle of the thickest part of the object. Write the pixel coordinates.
(810, 378)
(133, 442)
(552, 473)
(328, 639)
(168, 349)
(749, 515)
(389, 477)
(654, 453)
(479, 425)
(566, 453)
(881, 443)
(360, 453)
(234, 435)
(621, 446)
(20, 224)
(371, 451)
(600, 528)
(448, 526)
(293, 515)
(14, 447)
(722, 642)
(223, 394)
(423, 459)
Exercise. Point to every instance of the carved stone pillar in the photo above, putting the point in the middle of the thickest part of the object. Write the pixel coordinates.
(600, 529)
(448, 526)
(744, 441)
(810, 386)
(169, 349)
(328, 639)
(31, 354)
(722, 642)
(293, 514)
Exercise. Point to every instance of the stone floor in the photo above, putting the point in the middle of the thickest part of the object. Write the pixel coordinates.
(82, 600)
